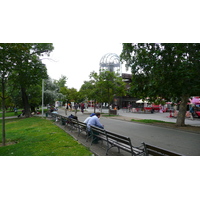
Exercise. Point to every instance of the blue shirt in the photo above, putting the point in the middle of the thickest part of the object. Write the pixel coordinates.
(94, 121)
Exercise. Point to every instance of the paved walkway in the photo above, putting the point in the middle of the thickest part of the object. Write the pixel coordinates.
(180, 141)
(156, 116)
(124, 115)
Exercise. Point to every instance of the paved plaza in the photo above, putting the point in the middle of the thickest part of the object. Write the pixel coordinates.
(156, 116)
(183, 142)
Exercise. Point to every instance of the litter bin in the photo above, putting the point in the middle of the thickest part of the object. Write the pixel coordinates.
(47, 114)
(113, 112)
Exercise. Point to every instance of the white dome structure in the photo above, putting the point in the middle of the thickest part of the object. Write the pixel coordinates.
(110, 62)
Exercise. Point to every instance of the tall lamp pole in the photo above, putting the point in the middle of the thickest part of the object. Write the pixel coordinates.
(42, 97)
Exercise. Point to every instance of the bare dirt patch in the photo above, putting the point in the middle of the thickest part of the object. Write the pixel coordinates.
(8, 143)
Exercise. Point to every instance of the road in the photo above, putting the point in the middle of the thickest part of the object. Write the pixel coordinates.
(183, 142)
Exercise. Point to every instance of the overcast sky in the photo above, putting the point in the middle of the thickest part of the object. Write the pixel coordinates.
(77, 60)
(83, 31)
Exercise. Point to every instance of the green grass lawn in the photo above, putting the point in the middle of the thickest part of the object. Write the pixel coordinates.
(151, 121)
(10, 114)
(36, 136)
(107, 115)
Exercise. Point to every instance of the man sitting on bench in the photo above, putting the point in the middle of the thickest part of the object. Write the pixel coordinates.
(94, 121)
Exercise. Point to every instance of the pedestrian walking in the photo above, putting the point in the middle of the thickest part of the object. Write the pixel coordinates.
(192, 112)
(66, 109)
(82, 107)
(76, 108)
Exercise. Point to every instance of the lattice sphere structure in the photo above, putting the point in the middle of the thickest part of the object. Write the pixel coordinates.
(110, 62)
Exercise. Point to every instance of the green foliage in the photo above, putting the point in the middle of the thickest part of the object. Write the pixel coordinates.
(164, 71)
(61, 82)
(21, 68)
(11, 114)
(87, 90)
(28, 68)
(52, 92)
(103, 87)
(39, 137)
(111, 85)
(105, 115)
(73, 95)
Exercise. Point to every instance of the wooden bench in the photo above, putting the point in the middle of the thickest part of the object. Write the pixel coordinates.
(122, 142)
(96, 132)
(77, 125)
(157, 151)
(63, 120)
(73, 124)
(55, 116)
(115, 140)
(82, 127)
(70, 123)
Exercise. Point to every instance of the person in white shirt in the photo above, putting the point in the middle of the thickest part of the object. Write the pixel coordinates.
(87, 119)
(94, 121)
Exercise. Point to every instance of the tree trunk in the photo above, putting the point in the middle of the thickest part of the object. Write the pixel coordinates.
(33, 109)
(3, 113)
(95, 106)
(182, 111)
(25, 103)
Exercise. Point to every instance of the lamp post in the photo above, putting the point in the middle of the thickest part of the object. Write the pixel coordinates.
(42, 97)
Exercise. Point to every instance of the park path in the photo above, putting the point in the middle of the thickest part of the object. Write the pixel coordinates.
(183, 142)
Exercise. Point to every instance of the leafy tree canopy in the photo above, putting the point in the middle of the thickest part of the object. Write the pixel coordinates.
(164, 70)
(103, 87)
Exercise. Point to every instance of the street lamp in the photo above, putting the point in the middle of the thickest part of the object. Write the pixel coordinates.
(42, 97)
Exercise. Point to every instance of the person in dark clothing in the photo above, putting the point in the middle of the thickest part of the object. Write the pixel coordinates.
(73, 117)
(82, 107)
(76, 108)
(22, 114)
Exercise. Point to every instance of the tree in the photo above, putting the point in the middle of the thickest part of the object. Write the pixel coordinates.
(61, 82)
(73, 95)
(20, 64)
(52, 92)
(106, 85)
(87, 90)
(164, 71)
(5, 70)
(111, 85)
(28, 69)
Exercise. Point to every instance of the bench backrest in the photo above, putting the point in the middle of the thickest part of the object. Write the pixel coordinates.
(95, 129)
(123, 142)
(74, 121)
(157, 151)
(119, 138)
(82, 124)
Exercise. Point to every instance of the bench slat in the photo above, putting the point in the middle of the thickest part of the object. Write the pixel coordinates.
(115, 140)
(157, 151)
(119, 138)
